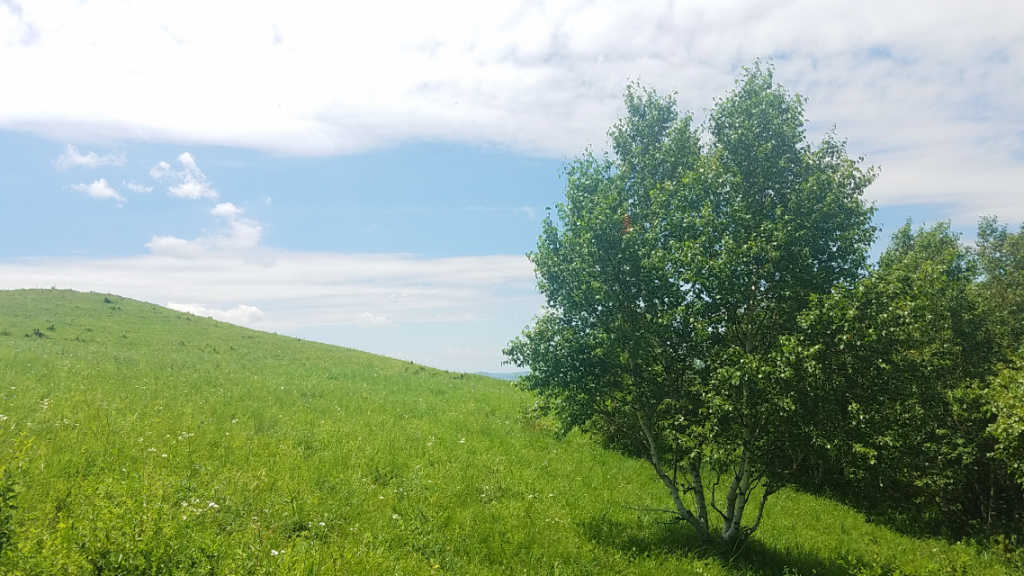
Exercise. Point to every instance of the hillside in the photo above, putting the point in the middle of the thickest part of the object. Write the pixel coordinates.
(140, 440)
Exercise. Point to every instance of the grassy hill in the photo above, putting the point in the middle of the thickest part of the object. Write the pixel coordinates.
(139, 440)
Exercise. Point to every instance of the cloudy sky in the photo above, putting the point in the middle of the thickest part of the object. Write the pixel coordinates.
(371, 174)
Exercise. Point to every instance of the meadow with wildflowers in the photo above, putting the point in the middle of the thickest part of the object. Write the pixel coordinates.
(140, 440)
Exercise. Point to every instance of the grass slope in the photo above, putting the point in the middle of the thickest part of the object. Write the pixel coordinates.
(139, 440)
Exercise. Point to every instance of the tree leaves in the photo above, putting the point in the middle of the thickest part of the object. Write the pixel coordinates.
(674, 272)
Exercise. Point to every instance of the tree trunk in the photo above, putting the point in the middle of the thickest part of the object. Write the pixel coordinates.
(699, 524)
(698, 492)
(736, 500)
(736, 503)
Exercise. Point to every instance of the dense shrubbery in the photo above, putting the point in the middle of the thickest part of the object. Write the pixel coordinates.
(909, 358)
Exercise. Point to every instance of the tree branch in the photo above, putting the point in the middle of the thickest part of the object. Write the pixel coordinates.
(698, 492)
(673, 488)
(760, 511)
(714, 506)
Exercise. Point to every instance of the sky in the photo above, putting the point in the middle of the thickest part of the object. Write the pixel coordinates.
(372, 174)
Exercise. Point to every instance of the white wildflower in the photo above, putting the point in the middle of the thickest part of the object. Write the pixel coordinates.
(274, 552)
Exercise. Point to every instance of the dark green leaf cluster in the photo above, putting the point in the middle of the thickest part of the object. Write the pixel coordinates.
(898, 366)
(1006, 400)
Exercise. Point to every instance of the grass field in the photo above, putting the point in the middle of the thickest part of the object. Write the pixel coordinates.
(139, 440)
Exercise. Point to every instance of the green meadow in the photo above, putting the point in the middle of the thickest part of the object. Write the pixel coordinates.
(140, 440)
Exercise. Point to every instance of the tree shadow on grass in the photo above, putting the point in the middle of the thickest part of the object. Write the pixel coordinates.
(648, 537)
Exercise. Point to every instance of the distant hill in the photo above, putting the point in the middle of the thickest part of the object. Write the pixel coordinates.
(140, 440)
(505, 375)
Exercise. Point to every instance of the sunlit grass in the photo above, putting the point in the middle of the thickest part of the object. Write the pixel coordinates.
(155, 442)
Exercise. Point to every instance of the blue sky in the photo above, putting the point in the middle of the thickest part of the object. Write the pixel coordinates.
(374, 182)
(431, 199)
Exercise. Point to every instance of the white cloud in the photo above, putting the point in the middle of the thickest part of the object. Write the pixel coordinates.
(238, 235)
(160, 171)
(13, 25)
(242, 314)
(243, 234)
(931, 95)
(174, 246)
(226, 210)
(189, 182)
(299, 290)
(188, 162)
(100, 189)
(369, 318)
(192, 189)
(454, 313)
(137, 188)
(71, 158)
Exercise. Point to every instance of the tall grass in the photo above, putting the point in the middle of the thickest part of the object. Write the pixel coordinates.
(138, 440)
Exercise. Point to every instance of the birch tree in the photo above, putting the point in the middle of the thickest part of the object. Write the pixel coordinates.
(672, 273)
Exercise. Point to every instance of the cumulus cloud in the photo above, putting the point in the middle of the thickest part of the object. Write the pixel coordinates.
(71, 158)
(188, 162)
(242, 314)
(187, 182)
(160, 170)
(192, 190)
(237, 235)
(226, 210)
(929, 95)
(100, 189)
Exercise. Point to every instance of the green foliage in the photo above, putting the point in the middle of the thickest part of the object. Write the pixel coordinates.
(671, 273)
(1006, 400)
(1001, 291)
(898, 365)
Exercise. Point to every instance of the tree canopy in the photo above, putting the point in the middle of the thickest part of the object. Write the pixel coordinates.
(674, 271)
